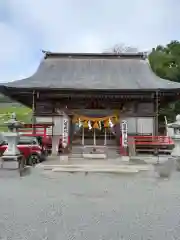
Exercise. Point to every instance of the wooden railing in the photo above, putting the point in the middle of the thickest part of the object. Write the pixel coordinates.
(150, 140)
(38, 130)
(161, 144)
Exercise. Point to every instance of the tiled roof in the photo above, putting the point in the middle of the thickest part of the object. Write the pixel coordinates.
(95, 71)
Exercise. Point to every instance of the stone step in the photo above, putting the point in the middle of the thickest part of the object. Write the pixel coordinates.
(76, 157)
(95, 170)
(92, 167)
(111, 151)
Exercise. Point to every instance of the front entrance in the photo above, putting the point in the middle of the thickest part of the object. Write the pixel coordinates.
(94, 137)
(94, 127)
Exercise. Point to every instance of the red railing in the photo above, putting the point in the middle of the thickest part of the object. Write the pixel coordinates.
(38, 130)
(146, 143)
(150, 140)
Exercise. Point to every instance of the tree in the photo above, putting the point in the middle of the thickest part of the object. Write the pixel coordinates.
(165, 62)
(121, 48)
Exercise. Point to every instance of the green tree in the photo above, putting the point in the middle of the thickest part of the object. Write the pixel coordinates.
(165, 62)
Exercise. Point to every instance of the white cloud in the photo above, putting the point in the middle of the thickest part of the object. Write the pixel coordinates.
(80, 26)
(60, 22)
(11, 43)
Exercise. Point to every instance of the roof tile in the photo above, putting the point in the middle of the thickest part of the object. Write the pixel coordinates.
(86, 72)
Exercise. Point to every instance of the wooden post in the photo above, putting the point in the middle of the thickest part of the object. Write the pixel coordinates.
(105, 137)
(156, 119)
(94, 137)
(34, 112)
(82, 135)
(71, 131)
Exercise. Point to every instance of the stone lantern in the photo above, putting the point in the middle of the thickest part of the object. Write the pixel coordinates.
(12, 136)
(176, 138)
(165, 169)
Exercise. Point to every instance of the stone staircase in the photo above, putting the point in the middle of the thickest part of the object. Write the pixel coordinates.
(112, 152)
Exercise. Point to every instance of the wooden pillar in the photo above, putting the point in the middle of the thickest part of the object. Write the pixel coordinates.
(156, 132)
(34, 112)
(94, 138)
(71, 130)
(105, 137)
(82, 135)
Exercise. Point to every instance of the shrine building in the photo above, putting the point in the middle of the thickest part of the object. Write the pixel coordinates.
(86, 96)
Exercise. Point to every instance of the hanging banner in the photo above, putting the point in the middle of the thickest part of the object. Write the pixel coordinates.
(85, 124)
(124, 131)
(94, 119)
(65, 132)
(97, 123)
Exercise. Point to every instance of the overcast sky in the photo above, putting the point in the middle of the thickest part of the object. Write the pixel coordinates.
(27, 26)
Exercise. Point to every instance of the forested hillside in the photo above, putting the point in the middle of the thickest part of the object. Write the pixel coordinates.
(4, 99)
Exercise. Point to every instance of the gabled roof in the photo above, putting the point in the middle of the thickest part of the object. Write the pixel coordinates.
(94, 71)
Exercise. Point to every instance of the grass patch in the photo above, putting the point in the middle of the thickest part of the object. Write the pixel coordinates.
(23, 114)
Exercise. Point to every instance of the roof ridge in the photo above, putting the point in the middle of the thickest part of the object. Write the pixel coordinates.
(138, 55)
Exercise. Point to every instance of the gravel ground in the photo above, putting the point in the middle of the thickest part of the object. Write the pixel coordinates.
(55, 206)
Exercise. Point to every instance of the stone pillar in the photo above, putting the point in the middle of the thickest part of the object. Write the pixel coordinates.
(165, 169)
(60, 131)
(56, 134)
(65, 133)
(55, 145)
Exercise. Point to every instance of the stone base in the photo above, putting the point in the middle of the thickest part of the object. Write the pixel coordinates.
(178, 164)
(10, 165)
(125, 158)
(165, 169)
(66, 150)
(94, 155)
(10, 162)
(64, 158)
(11, 157)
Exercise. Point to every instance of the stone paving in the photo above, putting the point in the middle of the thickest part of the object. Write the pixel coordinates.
(118, 165)
(45, 205)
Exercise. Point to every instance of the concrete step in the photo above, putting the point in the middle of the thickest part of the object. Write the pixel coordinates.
(95, 170)
(95, 167)
(111, 151)
(75, 157)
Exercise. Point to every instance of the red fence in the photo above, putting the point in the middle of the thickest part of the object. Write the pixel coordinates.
(150, 140)
(147, 143)
(38, 130)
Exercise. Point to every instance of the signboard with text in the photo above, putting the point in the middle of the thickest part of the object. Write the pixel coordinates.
(65, 132)
(124, 131)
